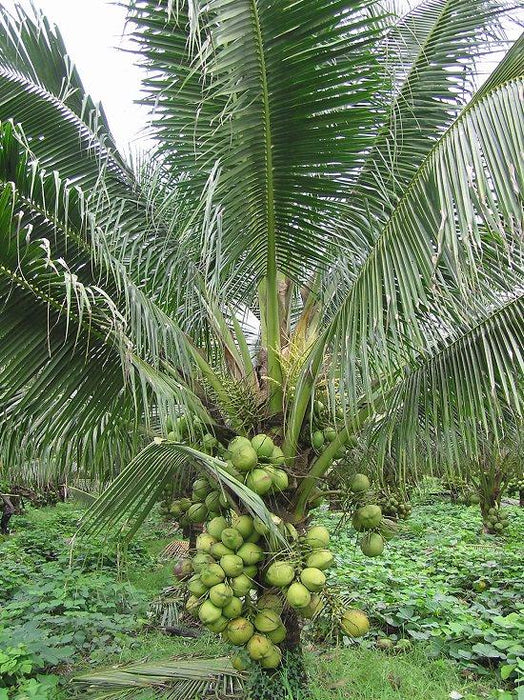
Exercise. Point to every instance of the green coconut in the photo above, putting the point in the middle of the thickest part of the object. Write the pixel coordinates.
(320, 559)
(270, 601)
(232, 538)
(388, 528)
(259, 646)
(330, 434)
(239, 663)
(197, 513)
(240, 631)
(277, 457)
(250, 553)
(250, 571)
(298, 595)
(318, 439)
(233, 608)
(244, 458)
(212, 575)
(259, 481)
(220, 594)
(359, 483)
(204, 542)
(291, 532)
(367, 518)
(263, 446)
(208, 612)
(201, 488)
(196, 587)
(213, 502)
(315, 605)
(267, 620)
(260, 526)
(279, 478)
(219, 550)
(185, 504)
(272, 659)
(354, 622)
(244, 524)
(317, 537)
(238, 442)
(280, 574)
(372, 544)
(253, 537)
(241, 585)
(277, 635)
(232, 565)
(313, 579)
(219, 625)
(201, 560)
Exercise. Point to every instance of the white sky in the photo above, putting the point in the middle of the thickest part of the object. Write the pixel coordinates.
(93, 33)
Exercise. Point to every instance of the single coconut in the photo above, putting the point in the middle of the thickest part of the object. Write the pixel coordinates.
(279, 478)
(232, 565)
(197, 513)
(359, 483)
(209, 613)
(267, 620)
(280, 574)
(272, 659)
(313, 579)
(372, 544)
(244, 524)
(183, 568)
(201, 560)
(259, 646)
(317, 537)
(244, 458)
(263, 446)
(192, 605)
(204, 542)
(213, 502)
(232, 538)
(320, 559)
(250, 553)
(367, 518)
(260, 526)
(270, 601)
(315, 605)
(250, 571)
(219, 550)
(318, 439)
(201, 488)
(354, 622)
(239, 663)
(233, 608)
(330, 434)
(240, 631)
(241, 585)
(212, 575)
(277, 457)
(259, 481)
(298, 595)
(277, 635)
(220, 594)
(219, 625)
(215, 526)
(196, 587)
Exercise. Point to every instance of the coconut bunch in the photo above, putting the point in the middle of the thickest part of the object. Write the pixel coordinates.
(325, 428)
(515, 486)
(368, 518)
(394, 505)
(496, 520)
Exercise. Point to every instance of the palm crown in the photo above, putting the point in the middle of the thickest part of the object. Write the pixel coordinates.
(332, 209)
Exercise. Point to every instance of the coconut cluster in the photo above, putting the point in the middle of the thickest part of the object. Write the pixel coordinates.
(238, 587)
(515, 486)
(368, 519)
(496, 520)
(325, 428)
(394, 505)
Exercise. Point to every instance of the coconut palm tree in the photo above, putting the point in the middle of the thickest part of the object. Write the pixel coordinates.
(327, 233)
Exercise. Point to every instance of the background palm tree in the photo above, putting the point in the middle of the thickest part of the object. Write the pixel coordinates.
(333, 208)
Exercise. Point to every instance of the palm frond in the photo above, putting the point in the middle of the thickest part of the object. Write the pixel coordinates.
(171, 679)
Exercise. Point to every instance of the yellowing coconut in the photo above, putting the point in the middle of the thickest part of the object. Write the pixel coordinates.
(220, 595)
(313, 579)
(250, 553)
(232, 565)
(212, 575)
(298, 595)
(232, 538)
(317, 537)
(267, 620)
(320, 559)
(192, 605)
(259, 481)
(259, 646)
(208, 612)
(233, 608)
(280, 574)
(354, 623)
(204, 542)
(239, 631)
